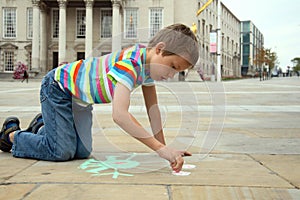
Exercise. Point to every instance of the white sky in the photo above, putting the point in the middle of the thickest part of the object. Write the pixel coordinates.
(277, 20)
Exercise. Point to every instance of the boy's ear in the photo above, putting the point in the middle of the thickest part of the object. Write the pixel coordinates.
(160, 47)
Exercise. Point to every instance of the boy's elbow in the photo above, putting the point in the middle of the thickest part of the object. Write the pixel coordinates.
(118, 118)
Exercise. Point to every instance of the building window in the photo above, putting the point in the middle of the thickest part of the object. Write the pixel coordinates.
(9, 22)
(8, 61)
(29, 22)
(106, 23)
(246, 38)
(80, 22)
(155, 20)
(203, 27)
(55, 23)
(131, 23)
(246, 26)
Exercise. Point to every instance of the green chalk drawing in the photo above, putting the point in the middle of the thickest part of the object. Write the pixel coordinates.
(112, 162)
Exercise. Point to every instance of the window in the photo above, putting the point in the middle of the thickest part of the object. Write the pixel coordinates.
(29, 22)
(9, 61)
(55, 23)
(131, 23)
(80, 21)
(203, 27)
(106, 23)
(246, 38)
(155, 20)
(246, 26)
(9, 22)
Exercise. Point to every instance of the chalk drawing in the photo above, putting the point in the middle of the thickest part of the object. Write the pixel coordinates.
(96, 167)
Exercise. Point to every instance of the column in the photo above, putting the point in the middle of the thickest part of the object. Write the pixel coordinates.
(43, 34)
(88, 27)
(62, 31)
(35, 36)
(219, 54)
(116, 26)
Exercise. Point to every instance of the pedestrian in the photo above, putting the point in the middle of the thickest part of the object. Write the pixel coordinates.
(25, 76)
(69, 91)
(201, 73)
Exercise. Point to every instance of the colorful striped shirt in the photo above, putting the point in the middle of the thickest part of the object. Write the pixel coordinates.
(93, 80)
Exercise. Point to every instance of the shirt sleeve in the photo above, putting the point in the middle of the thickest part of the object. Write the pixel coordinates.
(125, 72)
(148, 82)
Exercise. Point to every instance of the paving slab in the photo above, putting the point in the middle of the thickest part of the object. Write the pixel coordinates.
(219, 169)
(98, 192)
(286, 166)
(15, 191)
(246, 147)
(9, 166)
(232, 193)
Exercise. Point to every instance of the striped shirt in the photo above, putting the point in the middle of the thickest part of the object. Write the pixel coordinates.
(93, 80)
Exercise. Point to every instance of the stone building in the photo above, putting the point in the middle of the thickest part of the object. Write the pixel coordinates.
(44, 33)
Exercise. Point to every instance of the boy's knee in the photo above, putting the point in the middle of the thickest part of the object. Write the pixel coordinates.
(83, 154)
(64, 155)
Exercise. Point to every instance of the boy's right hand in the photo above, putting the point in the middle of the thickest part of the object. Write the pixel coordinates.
(174, 157)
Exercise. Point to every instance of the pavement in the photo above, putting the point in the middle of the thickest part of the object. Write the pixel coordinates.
(244, 136)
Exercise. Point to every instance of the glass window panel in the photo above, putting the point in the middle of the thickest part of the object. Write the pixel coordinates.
(155, 20)
(29, 22)
(80, 23)
(9, 22)
(55, 23)
(9, 61)
(131, 22)
(106, 23)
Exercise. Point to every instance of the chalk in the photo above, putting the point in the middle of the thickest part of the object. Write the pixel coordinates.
(188, 166)
(181, 173)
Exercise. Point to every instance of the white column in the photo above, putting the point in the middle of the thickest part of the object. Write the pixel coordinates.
(43, 47)
(116, 26)
(62, 31)
(35, 36)
(219, 56)
(89, 28)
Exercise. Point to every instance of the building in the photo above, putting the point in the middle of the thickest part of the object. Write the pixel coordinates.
(45, 33)
(251, 41)
(230, 40)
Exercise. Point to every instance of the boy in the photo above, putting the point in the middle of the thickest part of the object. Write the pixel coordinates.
(68, 92)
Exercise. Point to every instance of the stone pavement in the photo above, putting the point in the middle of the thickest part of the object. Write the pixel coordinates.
(244, 136)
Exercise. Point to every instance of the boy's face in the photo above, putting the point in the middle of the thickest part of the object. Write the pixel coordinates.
(164, 67)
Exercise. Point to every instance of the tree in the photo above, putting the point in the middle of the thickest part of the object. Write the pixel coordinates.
(296, 62)
(272, 59)
(265, 57)
(260, 58)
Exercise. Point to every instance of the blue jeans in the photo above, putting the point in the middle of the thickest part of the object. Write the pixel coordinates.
(66, 133)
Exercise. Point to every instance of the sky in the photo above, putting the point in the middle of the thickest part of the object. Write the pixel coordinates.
(277, 20)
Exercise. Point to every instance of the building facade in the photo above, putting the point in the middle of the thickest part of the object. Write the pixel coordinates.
(230, 40)
(251, 41)
(45, 33)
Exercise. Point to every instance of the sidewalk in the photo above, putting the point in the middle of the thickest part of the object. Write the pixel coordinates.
(244, 136)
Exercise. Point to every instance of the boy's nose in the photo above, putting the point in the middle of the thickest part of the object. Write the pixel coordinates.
(172, 73)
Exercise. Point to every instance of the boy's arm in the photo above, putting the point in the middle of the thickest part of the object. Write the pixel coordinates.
(128, 123)
(150, 97)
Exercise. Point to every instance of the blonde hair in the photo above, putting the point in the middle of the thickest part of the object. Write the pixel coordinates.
(178, 40)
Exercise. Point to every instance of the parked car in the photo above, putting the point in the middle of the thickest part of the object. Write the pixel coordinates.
(274, 74)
